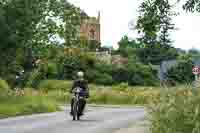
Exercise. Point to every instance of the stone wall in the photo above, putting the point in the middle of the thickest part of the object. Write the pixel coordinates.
(104, 57)
(119, 60)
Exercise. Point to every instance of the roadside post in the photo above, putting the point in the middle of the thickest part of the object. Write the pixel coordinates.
(196, 72)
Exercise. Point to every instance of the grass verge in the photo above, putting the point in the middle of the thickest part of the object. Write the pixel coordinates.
(176, 111)
(25, 105)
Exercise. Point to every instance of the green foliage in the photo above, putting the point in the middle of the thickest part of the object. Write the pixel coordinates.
(34, 78)
(126, 43)
(4, 87)
(121, 94)
(24, 105)
(182, 72)
(193, 51)
(140, 74)
(72, 64)
(99, 77)
(33, 26)
(155, 16)
(51, 85)
(60, 96)
(52, 70)
(88, 60)
(148, 22)
(154, 23)
(156, 53)
(104, 68)
(75, 63)
(128, 47)
(91, 75)
(176, 111)
(93, 45)
(135, 74)
(103, 79)
(192, 5)
(120, 74)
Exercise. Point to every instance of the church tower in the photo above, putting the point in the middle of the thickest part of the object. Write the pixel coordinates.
(99, 17)
(90, 28)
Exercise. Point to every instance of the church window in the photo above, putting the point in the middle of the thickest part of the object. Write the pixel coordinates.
(92, 34)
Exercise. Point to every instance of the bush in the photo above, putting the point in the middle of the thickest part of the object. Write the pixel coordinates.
(182, 72)
(52, 71)
(71, 66)
(104, 79)
(104, 68)
(140, 74)
(177, 111)
(136, 79)
(91, 75)
(11, 80)
(34, 78)
(4, 87)
(88, 60)
(49, 85)
(120, 74)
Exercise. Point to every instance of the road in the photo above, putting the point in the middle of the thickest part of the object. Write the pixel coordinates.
(95, 120)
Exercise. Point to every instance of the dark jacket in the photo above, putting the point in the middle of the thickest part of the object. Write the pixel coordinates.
(82, 84)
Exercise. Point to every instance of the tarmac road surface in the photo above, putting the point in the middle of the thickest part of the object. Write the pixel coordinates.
(95, 120)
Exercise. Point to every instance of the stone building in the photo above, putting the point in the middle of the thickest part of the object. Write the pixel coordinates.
(90, 28)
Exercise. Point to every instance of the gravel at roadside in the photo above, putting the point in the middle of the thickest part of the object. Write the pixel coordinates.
(139, 127)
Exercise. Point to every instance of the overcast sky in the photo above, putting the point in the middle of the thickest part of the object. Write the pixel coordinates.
(117, 14)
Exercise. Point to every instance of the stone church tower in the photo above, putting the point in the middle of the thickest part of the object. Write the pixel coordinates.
(90, 28)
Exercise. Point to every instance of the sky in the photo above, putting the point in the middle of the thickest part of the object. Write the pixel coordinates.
(116, 16)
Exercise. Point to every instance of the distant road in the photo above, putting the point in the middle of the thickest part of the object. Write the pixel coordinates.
(95, 120)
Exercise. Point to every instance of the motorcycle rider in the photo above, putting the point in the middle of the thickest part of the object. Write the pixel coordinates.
(80, 82)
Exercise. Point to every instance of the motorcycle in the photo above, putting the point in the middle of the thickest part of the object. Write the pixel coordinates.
(76, 105)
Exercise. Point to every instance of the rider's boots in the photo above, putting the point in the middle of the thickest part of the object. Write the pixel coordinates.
(82, 106)
(72, 102)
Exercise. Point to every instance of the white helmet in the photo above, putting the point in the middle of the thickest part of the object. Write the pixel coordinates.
(80, 74)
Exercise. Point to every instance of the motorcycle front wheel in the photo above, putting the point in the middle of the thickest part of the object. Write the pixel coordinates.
(76, 115)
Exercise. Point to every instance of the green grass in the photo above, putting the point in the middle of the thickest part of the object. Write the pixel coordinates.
(56, 92)
(132, 97)
(52, 85)
(171, 110)
(25, 105)
(176, 111)
(60, 97)
(116, 95)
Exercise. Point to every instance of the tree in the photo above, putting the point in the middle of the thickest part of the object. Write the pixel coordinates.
(166, 25)
(32, 25)
(154, 24)
(194, 51)
(192, 5)
(127, 47)
(124, 42)
(148, 22)
(181, 72)
(72, 20)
